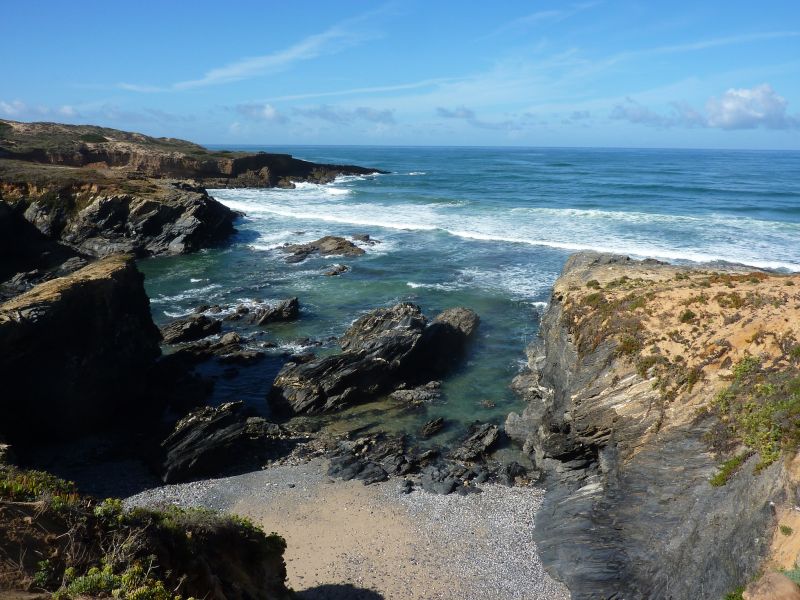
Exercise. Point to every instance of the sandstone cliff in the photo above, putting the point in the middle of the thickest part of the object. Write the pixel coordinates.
(75, 353)
(663, 407)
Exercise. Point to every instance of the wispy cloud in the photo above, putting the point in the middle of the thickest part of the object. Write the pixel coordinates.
(328, 42)
(467, 114)
(343, 116)
(541, 16)
(746, 108)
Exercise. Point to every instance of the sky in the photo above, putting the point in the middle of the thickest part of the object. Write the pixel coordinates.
(683, 74)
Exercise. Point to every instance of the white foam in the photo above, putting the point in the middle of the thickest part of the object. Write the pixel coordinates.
(185, 295)
(705, 238)
(415, 173)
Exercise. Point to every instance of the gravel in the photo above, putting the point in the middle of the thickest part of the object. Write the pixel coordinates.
(479, 546)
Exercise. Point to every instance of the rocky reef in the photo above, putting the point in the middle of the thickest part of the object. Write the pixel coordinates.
(75, 352)
(659, 484)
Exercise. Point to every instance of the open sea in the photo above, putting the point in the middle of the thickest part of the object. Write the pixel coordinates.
(486, 228)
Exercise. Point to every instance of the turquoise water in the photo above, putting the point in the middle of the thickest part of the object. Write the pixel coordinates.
(485, 228)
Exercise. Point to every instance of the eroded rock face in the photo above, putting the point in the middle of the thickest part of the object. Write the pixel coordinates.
(480, 439)
(75, 352)
(622, 473)
(211, 440)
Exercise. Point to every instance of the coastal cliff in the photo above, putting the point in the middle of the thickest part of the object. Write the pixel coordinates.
(75, 352)
(662, 407)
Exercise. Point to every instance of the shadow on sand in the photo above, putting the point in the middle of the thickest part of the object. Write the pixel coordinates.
(338, 592)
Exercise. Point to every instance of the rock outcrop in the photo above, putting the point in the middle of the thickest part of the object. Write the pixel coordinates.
(380, 350)
(284, 310)
(98, 215)
(329, 245)
(214, 440)
(189, 329)
(75, 352)
(623, 419)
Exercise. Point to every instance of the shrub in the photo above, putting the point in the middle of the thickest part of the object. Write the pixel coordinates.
(92, 138)
(687, 316)
(593, 284)
(786, 530)
(727, 470)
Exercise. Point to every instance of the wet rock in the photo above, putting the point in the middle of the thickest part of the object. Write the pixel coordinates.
(325, 246)
(429, 392)
(376, 349)
(432, 427)
(446, 338)
(212, 439)
(285, 310)
(193, 327)
(336, 270)
(481, 437)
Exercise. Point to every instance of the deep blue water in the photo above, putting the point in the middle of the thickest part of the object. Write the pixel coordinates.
(488, 228)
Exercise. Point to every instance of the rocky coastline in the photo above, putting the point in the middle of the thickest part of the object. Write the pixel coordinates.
(624, 419)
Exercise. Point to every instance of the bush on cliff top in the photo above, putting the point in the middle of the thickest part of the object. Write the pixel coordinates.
(761, 408)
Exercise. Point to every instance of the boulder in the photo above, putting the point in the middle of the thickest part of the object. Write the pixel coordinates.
(285, 310)
(193, 327)
(481, 437)
(419, 395)
(325, 246)
(212, 440)
(772, 586)
(446, 338)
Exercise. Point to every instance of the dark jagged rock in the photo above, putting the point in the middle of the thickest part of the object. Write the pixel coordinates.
(214, 439)
(336, 270)
(479, 440)
(193, 327)
(376, 349)
(285, 310)
(447, 336)
(382, 349)
(326, 246)
(432, 427)
(76, 353)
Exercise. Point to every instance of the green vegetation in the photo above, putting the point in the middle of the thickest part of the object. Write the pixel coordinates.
(735, 594)
(761, 408)
(593, 284)
(728, 468)
(688, 316)
(30, 486)
(134, 583)
(786, 530)
(92, 138)
(600, 316)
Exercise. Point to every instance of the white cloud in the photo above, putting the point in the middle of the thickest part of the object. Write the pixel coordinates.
(261, 112)
(760, 106)
(13, 108)
(467, 114)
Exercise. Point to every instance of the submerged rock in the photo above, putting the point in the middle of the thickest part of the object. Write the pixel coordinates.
(422, 394)
(432, 427)
(193, 327)
(325, 246)
(336, 270)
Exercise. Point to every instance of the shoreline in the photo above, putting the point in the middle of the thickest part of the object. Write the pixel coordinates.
(348, 540)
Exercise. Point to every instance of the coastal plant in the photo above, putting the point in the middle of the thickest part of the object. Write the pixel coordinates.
(761, 408)
(593, 284)
(786, 530)
(736, 594)
(688, 316)
(728, 469)
(18, 485)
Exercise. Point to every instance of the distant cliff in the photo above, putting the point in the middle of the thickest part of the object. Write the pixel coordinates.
(663, 408)
(101, 147)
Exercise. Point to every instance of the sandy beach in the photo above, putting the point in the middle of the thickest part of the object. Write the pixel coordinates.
(347, 540)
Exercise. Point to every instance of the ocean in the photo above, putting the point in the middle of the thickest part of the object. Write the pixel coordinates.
(486, 228)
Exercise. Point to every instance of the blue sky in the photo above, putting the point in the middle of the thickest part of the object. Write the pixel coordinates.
(588, 73)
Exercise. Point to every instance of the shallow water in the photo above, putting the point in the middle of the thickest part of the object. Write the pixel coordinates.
(485, 228)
